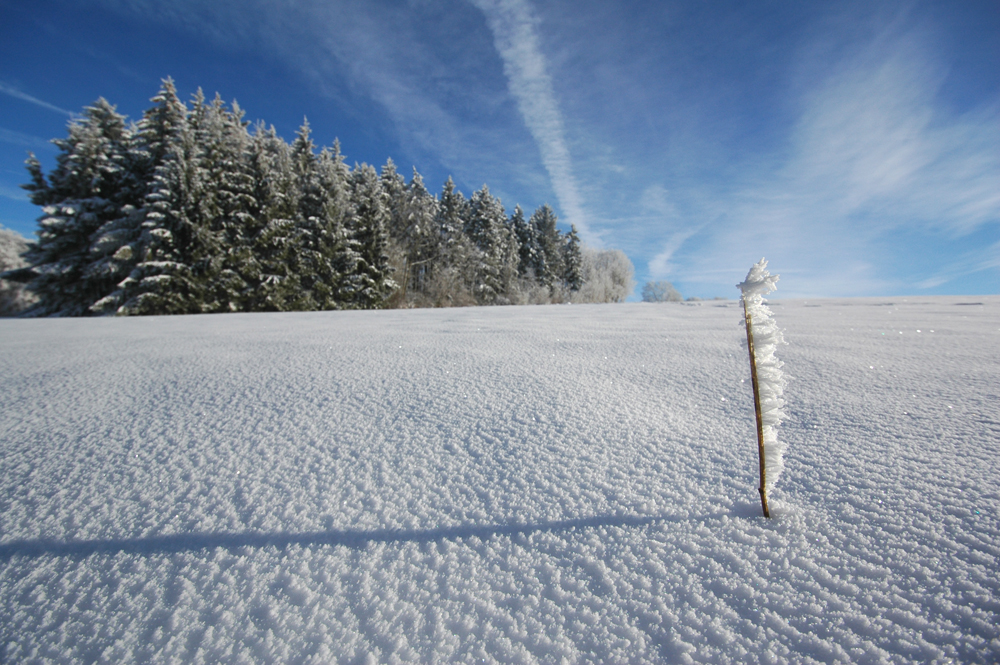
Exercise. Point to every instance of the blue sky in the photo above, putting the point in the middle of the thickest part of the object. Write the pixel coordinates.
(855, 145)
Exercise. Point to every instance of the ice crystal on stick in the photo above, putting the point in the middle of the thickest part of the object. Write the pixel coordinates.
(763, 336)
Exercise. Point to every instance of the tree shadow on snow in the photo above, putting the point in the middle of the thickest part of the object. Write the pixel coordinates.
(355, 539)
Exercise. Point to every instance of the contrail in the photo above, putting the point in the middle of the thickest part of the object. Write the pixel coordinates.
(514, 36)
(14, 92)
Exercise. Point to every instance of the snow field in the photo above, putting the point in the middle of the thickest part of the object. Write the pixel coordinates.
(538, 484)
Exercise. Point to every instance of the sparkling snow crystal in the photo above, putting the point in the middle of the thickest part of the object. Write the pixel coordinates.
(770, 380)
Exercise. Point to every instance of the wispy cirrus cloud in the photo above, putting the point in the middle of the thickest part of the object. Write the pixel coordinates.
(968, 263)
(831, 140)
(875, 159)
(13, 193)
(423, 67)
(12, 91)
(24, 140)
(660, 210)
(874, 143)
(513, 25)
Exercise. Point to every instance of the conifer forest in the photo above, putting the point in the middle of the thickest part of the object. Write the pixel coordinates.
(189, 210)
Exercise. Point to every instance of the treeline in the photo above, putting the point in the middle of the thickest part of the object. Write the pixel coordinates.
(188, 211)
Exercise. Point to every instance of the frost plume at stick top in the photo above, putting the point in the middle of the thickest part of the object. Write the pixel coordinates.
(770, 379)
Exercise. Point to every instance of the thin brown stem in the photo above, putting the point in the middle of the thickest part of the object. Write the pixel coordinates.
(756, 407)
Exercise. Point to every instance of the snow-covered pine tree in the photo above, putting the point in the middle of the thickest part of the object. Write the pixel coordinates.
(573, 261)
(529, 251)
(324, 255)
(487, 229)
(767, 379)
(273, 281)
(179, 250)
(85, 191)
(394, 187)
(160, 125)
(309, 209)
(552, 265)
(417, 234)
(339, 246)
(112, 254)
(120, 244)
(371, 282)
(509, 256)
(312, 258)
(228, 205)
(455, 259)
(452, 213)
(206, 122)
(14, 298)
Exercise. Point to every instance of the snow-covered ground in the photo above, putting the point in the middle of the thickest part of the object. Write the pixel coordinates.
(537, 484)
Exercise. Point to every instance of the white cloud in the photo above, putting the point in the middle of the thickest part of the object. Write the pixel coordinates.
(660, 266)
(969, 263)
(421, 65)
(513, 25)
(875, 156)
(14, 193)
(873, 142)
(24, 140)
(656, 200)
(659, 210)
(873, 152)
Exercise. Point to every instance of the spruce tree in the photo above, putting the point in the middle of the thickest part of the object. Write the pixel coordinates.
(306, 255)
(394, 187)
(340, 244)
(160, 125)
(418, 233)
(498, 255)
(179, 250)
(84, 192)
(552, 269)
(323, 255)
(229, 206)
(455, 263)
(273, 282)
(452, 214)
(120, 244)
(529, 251)
(371, 283)
(573, 261)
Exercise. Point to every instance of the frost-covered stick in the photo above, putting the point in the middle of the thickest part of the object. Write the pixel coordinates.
(756, 407)
(765, 374)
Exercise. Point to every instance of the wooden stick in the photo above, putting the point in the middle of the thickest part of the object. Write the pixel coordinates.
(756, 406)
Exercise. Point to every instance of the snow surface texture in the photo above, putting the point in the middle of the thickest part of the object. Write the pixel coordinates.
(539, 484)
(770, 380)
